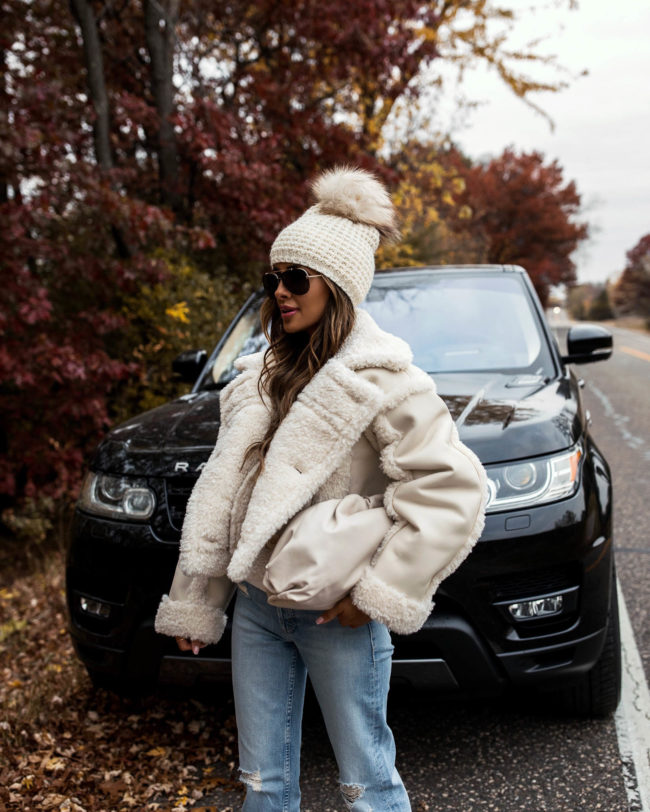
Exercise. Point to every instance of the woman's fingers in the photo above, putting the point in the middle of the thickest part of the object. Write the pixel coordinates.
(330, 614)
(189, 645)
(347, 613)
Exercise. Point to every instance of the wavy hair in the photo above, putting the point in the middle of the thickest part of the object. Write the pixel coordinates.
(292, 359)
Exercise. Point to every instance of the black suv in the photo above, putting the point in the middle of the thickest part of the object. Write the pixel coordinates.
(534, 605)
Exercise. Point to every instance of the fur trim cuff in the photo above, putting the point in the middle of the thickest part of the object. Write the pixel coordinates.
(195, 621)
(386, 604)
(204, 558)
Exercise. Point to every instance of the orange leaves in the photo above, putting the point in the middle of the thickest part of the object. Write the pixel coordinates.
(157, 752)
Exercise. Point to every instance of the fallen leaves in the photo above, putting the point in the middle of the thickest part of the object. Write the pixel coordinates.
(54, 764)
(11, 627)
(67, 747)
(157, 752)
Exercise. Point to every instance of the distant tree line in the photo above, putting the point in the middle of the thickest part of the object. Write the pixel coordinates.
(627, 295)
(631, 292)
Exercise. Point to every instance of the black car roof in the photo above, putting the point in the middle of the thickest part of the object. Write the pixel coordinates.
(480, 268)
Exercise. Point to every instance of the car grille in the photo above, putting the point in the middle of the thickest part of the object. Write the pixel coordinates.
(537, 582)
(177, 492)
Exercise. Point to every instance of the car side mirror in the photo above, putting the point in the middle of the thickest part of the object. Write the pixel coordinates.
(189, 364)
(587, 343)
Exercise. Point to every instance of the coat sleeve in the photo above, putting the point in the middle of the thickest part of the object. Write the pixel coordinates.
(436, 502)
(195, 607)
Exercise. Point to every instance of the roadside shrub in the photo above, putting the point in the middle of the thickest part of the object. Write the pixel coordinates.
(600, 307)
(189, 310)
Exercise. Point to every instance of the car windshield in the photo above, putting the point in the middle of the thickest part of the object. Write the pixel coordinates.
(454, 321)
(459, 321)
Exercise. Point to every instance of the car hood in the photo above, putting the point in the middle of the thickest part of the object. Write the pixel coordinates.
(504, 417)
(500, 417)
(173, 439)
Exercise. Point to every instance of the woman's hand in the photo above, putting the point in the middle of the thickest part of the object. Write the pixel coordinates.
(189, 645)
(347, 613)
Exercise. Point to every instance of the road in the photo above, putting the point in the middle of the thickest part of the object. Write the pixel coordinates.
(500, 756)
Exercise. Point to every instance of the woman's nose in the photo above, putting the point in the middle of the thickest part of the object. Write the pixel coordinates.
(281, 292)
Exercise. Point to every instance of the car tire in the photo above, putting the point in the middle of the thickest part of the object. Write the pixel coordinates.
(597, 694)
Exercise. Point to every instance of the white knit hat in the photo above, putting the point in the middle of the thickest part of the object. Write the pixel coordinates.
(339, 235)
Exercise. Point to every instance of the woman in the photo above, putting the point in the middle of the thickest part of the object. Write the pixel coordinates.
(331, 435)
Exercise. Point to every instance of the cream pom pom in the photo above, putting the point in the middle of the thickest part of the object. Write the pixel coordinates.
(359, 196)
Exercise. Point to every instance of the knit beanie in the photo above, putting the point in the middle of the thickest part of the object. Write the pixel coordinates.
(339, 235)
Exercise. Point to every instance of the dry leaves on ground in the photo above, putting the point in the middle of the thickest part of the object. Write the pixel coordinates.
(68, 747)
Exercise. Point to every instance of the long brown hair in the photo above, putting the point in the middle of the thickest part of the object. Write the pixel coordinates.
(292, 359)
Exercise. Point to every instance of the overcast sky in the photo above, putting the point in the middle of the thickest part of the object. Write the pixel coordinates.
(602, 121)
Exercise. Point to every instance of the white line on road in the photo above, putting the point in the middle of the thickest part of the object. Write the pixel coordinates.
(619, 420)
(633, 718)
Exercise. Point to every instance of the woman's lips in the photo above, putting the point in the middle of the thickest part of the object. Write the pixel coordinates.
(289, 312)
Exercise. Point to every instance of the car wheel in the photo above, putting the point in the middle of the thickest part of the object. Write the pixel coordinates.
(598, 693)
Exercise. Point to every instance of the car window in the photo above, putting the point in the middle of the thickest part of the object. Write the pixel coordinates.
(457, 322)
(245, 338)
(453, 321)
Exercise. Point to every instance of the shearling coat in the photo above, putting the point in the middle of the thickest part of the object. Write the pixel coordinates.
(369, 421)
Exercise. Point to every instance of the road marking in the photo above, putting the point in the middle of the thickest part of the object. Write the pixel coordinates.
(638, 353)
(633, 718)
(631, 440)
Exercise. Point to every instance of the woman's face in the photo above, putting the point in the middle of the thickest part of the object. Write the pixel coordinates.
(302, 312)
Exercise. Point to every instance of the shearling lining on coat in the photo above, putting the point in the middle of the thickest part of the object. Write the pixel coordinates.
(368, 397)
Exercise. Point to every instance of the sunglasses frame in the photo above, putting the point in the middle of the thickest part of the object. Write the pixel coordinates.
(279, 277)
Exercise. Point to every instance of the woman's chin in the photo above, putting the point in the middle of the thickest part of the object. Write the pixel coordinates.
(294, 325)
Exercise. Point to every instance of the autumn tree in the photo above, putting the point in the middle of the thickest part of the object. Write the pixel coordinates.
(426, 197)
(527, 213)
(631, 293)
(580, 299)
(600, 307)
(143, 138)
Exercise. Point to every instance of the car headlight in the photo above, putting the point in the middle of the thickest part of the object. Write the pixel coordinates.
(533, 482)
(117, 497)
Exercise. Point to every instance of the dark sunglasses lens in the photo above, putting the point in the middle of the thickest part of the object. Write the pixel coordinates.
(270, 282)
(296, 281)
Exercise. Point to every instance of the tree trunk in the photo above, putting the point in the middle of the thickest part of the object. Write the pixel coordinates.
(85, 16)
(4, 121)
(160, 18)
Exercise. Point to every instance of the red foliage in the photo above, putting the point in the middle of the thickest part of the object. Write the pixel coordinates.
(631, 293)
(639, 256)
(527, 215)
(269, 92)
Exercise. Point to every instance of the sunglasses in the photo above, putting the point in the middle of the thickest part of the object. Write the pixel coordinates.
(294, 278)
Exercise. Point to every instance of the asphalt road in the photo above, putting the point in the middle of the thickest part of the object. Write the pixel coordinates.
(617, 392)
(506, 756)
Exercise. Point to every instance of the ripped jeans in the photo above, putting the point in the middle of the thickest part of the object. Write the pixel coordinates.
(272, 652)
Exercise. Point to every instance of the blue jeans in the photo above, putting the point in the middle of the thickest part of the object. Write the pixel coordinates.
(272, 652)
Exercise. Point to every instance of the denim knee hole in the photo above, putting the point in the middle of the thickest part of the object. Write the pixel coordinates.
(252, 780)
(351, 793)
